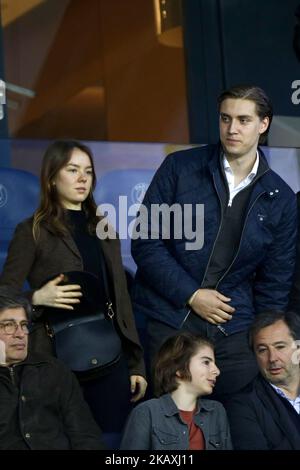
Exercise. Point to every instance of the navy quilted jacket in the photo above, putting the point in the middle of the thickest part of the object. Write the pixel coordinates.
(260, 276)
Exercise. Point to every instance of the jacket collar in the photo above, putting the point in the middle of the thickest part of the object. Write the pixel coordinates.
(107, 248)
(261, 185)
(273, 403)
(67, 239)
(170, 408)
(214, 158)
(31, 359)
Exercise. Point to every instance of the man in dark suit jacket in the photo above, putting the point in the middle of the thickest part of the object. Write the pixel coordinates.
(266, 415)
(295, 292)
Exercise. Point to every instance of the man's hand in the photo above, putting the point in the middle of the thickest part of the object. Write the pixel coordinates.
(2, 353)
(138, 386)
(210, 305)
(53, 295)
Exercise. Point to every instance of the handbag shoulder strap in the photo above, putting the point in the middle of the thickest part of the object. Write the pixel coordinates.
(110, 312)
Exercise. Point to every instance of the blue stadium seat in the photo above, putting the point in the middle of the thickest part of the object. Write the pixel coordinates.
(131, 183)
(19, 196)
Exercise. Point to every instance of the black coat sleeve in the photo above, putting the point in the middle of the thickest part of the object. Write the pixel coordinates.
(245, 428)
(295, 291)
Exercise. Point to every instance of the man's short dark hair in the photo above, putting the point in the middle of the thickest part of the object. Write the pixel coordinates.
(262, 320)
(253, 93)
(174, 356)
(12, 299)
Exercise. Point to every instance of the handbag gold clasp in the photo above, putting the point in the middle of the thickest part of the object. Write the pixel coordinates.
(110, 311)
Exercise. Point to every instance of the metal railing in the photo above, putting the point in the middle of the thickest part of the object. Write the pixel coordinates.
(19, 90)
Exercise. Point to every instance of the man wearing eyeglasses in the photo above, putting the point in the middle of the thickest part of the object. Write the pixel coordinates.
(14, 336)
(41, 405)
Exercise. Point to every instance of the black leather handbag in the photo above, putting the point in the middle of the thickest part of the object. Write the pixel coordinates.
(85, 338)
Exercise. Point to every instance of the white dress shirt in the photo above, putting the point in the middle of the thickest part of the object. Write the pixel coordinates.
(295, 403)
(234, 190)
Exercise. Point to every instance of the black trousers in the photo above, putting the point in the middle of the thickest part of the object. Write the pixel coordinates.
(234, 358)
(109, 398)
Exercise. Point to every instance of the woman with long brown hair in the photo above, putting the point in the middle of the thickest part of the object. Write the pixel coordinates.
(59, 238)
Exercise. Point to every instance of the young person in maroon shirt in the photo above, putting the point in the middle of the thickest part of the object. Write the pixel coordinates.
(180, 419)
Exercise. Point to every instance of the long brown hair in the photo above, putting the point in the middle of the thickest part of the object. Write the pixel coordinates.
(50, 211)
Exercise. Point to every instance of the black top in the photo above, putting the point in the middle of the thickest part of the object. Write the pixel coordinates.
(87, 244)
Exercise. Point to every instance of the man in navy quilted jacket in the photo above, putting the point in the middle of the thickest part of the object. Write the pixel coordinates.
(296, 38)
(242, 216)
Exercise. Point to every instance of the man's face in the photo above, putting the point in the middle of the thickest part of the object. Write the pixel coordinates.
(15, 343)
(240, 127)
(276, 355)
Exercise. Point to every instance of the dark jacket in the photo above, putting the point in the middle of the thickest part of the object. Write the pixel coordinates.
(295, 292)
(157, 425)
(38, 262)
(260, 276)
(296, 39)
(42, 407)
(260, 420)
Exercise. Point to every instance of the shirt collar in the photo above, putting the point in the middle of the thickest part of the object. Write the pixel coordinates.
(252, 173)
(282, 394)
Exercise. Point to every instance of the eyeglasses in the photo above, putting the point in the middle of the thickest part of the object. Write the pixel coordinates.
(10, 327)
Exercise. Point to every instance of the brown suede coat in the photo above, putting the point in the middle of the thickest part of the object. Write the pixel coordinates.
(38, 262)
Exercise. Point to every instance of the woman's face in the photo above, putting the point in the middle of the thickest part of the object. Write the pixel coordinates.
(74, 180)
(204, 371)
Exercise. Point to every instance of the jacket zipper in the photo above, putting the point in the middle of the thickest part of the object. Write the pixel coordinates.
(228, 269)
(236, 255)
(211, 253)
(219, 229)
(220, 225)
(12, 375)
(237, 252)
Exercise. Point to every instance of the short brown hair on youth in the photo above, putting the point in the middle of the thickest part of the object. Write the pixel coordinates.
(253, 93)
(174, 356)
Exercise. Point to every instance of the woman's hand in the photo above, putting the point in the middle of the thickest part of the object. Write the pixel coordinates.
(53, 295)
(138, 386)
